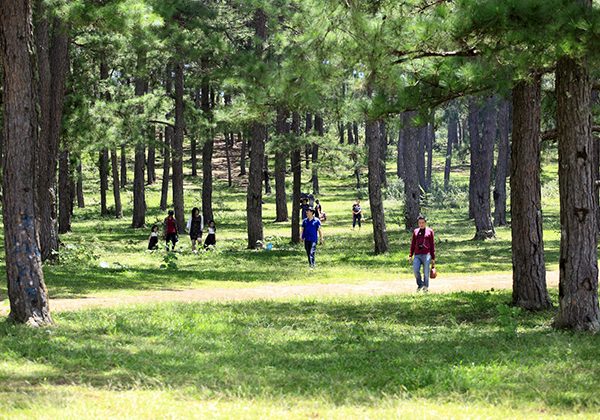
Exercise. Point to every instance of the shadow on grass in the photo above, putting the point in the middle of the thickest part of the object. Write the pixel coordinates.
(451, 347)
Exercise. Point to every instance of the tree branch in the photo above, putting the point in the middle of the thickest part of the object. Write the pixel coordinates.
(415, 55)
(161, 122)
(553, 134)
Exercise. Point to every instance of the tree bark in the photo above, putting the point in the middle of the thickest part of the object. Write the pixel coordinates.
(267, 176)
(422, 147)
(355, 130)
(341, 132)
(255, 177)
(578, 284)
(177, 150)
(139, 191)
(150, 164)
(282, 129)
(123, 166)
(64, 192)
(228, 145)
(307, 129)
(350, 134)
(53, 65)
(297, 180)
(207, 179)
(474, 141)
(194, 153)
(502, 164)
(164, 192)
(103, 172)
(80, 198)
(27, 291)
(481, 164)
(243, 153)
(383, 151)
(373, 140)
(411, 178)
(429, 147)
(116, 187)
(529, 268)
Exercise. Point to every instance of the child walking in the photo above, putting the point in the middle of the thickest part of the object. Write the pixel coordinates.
(211, 238)
(195, 226)
(171, 233)
(153, 238)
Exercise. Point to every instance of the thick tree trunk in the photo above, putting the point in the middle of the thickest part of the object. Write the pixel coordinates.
(123, 166)
(282, 129)
(164, 192)
(422, 147)
(481, 164)
(452, 140)
(502, 164)
(64, 192)
(307, 131)
(80, 198)
(139, 189)
(103, 172)
(373, 140)
(267, 176)
(255, 177)
(578, 285)
(319, 127)
(350, 134)
(228, 145)
(474, 140)
(341, 132)
(411, 177)
(297, 180)
(177, 150)
(26, 288)
(400, 152)
(529, 268)
(355, 130)
(194, 153)
(53, 65)
(114, 161)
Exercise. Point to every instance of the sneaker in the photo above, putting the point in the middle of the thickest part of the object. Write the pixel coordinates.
(419, 289)
(425, 289)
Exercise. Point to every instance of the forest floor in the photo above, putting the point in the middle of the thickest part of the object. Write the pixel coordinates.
(274, 291)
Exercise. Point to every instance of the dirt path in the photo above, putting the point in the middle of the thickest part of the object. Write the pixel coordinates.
(370, 288)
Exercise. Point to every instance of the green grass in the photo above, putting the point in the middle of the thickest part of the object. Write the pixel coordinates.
(458, 354)
(346, 257)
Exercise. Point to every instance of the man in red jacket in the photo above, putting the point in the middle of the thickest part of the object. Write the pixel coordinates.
(422, 248)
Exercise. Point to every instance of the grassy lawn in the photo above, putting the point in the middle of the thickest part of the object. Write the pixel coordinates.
(463, 354)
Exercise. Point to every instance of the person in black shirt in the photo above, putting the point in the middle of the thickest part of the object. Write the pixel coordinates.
(356, 214)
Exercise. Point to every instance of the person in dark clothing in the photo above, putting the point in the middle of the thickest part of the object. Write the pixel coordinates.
(211, 238)
(195, 226)
(171, 233)
(356, 214)
(311, 233)
(153, 238)
(303, 207)
(422, 248)
(319, 214)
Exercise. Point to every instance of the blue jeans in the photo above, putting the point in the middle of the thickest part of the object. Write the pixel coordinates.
(422, 260)
(311, 249)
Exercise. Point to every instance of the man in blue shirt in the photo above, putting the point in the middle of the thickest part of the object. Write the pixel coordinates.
(311, 233)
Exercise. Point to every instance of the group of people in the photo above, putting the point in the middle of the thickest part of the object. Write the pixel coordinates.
(421, 255)
(194, 227)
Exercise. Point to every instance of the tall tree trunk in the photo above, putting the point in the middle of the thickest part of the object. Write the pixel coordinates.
(355, 130)
(114, 161)
(282, 129)
(350, 134)
(243, 153)
(103, 172)
(177, 150)
(452, 140)
(529, 268)
(296, 158)
(502, 164)
(64, 192)
(307, 130)
(319, 127)
(474, 140)
(80, 198)
(164, 192)
(53, 65)
(341, 132)
(123, 166)
(373, 140)
(207, 179)
(26, 288)
(482, 162)
(411, 178)
(228, 145)
(267, 176)
(422, 147)
(578, 285)
(139, 191)
(150, 164)
(194, 153)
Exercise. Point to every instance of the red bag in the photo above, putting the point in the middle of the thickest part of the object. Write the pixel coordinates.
(432, 273)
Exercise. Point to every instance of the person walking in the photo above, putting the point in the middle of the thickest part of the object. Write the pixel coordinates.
(195, 226)
(311, 233)
(171, 233)
(356, 214)
(211, 238)
(422, 253)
